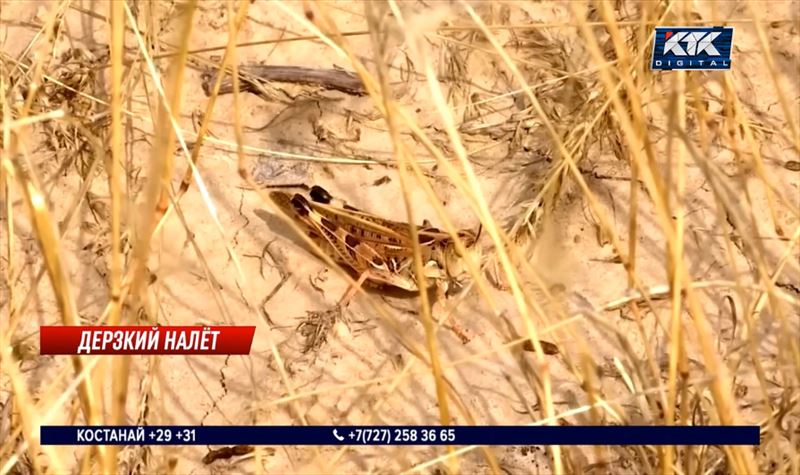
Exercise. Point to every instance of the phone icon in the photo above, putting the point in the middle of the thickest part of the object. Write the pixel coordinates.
(338, 437)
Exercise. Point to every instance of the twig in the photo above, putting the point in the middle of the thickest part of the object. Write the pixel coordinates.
(253, 76)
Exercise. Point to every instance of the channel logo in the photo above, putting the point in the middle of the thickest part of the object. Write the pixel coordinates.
(677, 47)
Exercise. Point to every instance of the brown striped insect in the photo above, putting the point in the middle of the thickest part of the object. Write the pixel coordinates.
(378, 250)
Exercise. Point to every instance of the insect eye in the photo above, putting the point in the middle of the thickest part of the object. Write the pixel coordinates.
(320, 194)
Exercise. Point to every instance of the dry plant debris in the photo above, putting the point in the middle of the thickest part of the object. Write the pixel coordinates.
(638, 261)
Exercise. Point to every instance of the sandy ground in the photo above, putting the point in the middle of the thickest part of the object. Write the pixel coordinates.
(362, 373)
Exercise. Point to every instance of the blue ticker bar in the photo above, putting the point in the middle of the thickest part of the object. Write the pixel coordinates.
(400, 435)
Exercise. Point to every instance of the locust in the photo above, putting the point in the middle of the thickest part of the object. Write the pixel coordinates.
(377, 250)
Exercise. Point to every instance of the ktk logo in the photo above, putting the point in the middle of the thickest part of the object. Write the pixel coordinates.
(696, 43)
(692, 48)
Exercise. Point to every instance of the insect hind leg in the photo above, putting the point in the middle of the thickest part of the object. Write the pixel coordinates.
(351, 292)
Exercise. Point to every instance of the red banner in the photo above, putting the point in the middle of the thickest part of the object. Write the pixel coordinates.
(141, 340)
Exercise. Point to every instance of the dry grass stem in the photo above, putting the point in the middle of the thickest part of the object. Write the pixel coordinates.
(529, 226)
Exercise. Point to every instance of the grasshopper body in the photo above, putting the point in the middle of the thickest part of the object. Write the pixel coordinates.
(365, 243)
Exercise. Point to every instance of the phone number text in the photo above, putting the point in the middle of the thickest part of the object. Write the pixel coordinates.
(402, 436)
